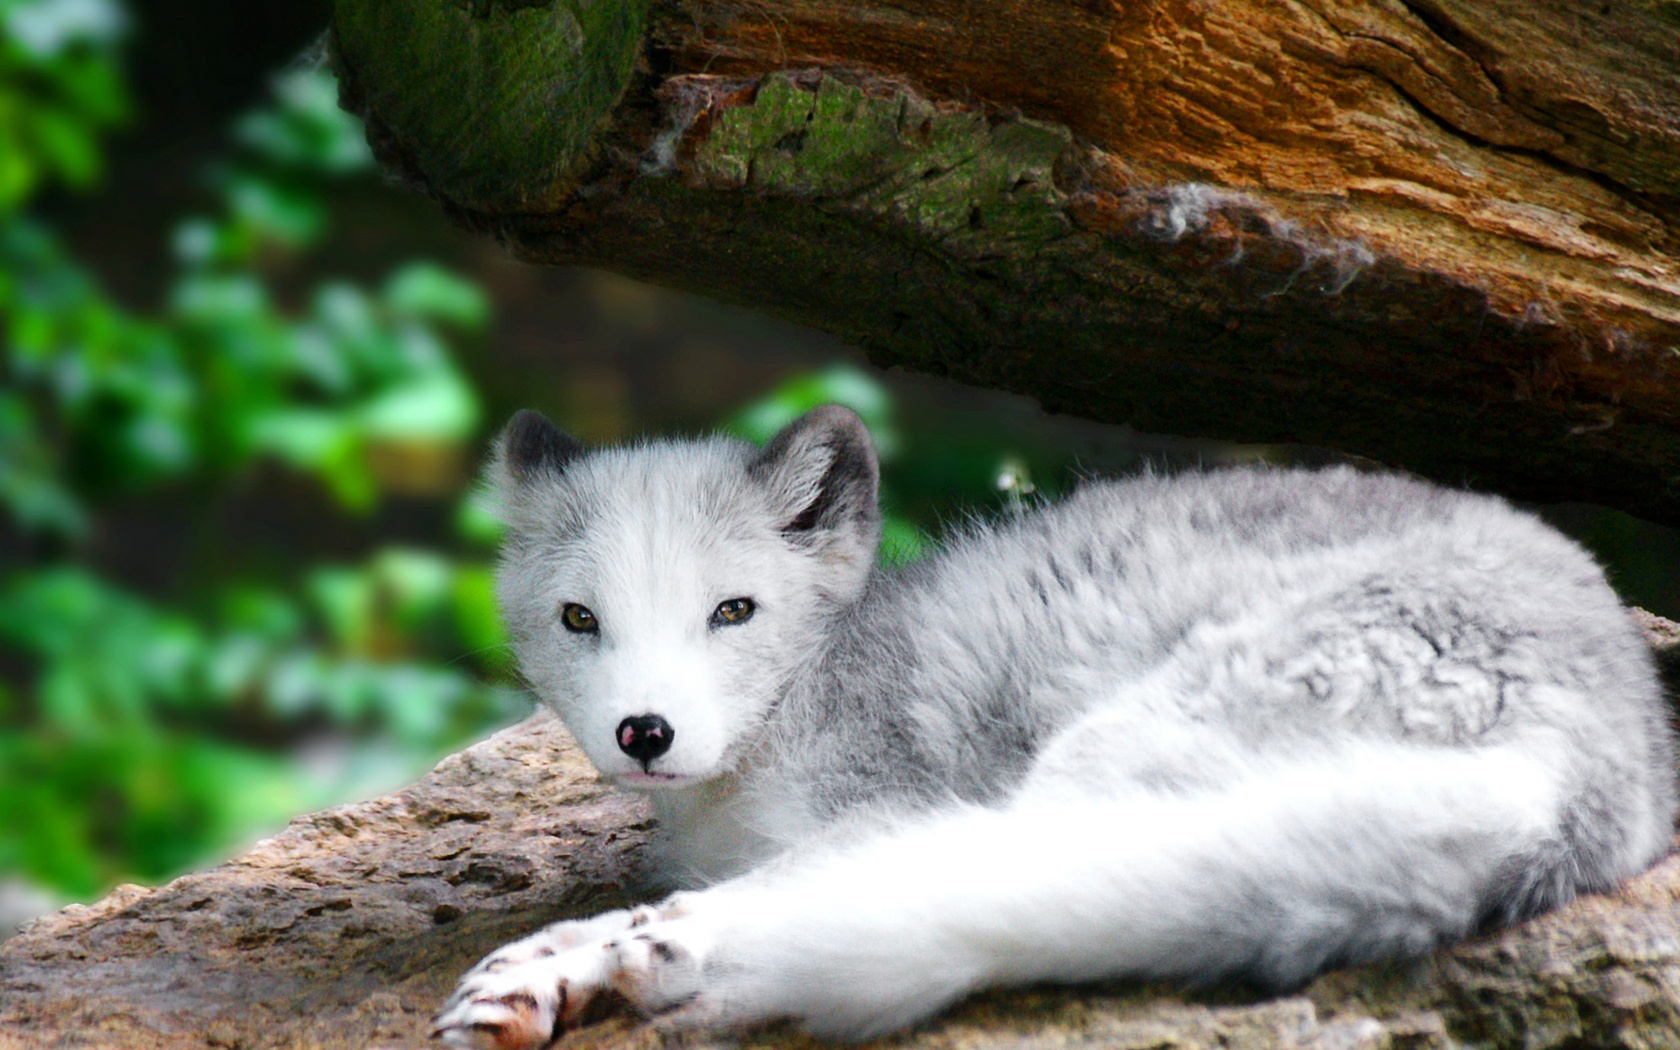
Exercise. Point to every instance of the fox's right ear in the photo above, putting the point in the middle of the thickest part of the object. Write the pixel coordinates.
(531, 444)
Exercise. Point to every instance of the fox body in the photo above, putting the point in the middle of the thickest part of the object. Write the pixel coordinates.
(1239, 724)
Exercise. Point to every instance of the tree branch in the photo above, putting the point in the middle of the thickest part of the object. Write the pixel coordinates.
(1440, 234)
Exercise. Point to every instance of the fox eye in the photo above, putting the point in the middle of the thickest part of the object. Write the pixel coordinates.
(735, 610)
(578, 619)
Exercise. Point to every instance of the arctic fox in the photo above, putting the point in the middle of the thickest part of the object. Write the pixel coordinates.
(1242, 724)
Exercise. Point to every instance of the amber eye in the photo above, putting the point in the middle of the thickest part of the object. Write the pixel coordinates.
(735, 610)
(578, 618)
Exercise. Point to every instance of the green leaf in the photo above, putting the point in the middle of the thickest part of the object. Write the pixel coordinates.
(440, 406)
(306, 438)
(44, 29)
(416, 702)
(32, 489)
(297, 684)
(159, 444)
(476, 523)
(314, 354)
(264, 613)
(321, 442)
(227, 299)
(428, 291)
(66, 143)
(345, 315)
(291, 216)
(350, 691)
(195, 241)
(477, 620)
(345, 599)
(843, 385)
(235, 665)
(416, 582)
(319, 134)
(18, 172)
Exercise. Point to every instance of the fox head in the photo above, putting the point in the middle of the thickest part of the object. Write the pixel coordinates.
(661, 597)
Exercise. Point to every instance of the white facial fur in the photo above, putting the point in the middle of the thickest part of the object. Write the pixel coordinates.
(651, 540)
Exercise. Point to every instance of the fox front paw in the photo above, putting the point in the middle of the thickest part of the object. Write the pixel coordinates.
(530, 1004)
(531, 992)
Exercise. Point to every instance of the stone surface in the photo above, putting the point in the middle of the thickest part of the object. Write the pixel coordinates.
(346, 930)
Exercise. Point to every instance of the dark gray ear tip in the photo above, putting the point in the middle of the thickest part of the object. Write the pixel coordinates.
(835, 427)
(834, 415)
(834, 419)
(530, 443)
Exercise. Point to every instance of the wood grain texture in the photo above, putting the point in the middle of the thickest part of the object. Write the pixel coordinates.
(1440, 233)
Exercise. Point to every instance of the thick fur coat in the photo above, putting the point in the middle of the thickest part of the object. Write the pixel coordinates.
(1242, 724)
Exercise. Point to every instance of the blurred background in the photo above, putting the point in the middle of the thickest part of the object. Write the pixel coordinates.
(244, 387)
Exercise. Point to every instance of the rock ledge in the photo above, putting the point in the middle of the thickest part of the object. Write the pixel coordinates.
(346, 930)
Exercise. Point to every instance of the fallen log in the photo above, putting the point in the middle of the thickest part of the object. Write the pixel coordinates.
(1438, 233)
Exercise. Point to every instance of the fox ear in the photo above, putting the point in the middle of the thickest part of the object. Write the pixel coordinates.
(530, 444)
(822, 477)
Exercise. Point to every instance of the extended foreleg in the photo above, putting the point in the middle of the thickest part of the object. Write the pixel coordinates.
(1272, 878)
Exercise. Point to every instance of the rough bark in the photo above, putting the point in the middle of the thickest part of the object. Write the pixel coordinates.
(345, 929)
(348, 928)
(1441, 233)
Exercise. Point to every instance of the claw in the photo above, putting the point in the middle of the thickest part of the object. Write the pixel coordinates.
(514, 1021)
(559, 1028)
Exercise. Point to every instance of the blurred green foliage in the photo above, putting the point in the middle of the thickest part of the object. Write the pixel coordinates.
(138, 738)
(59, 89)
(148, 726)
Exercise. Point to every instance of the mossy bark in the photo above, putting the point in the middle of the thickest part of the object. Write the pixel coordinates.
(1441, 233)
(507, 96)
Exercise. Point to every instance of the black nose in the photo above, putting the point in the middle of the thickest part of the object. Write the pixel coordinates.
(645, 737)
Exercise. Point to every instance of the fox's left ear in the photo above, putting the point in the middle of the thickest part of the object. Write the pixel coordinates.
(822, 477)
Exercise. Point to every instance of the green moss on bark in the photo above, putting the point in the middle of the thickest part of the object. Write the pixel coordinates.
(497, 102)
(949, 174)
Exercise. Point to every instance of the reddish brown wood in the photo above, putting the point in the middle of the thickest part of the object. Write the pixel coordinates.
(1443, 233)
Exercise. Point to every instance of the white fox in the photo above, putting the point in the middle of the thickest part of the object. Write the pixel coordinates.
(1241, 724)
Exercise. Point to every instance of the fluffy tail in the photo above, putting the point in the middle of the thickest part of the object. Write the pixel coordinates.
(1276, 876)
